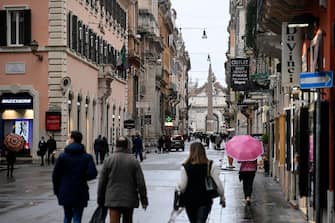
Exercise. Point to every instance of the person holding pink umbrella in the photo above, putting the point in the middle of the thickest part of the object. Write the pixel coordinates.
(247, 175)
(246, 149)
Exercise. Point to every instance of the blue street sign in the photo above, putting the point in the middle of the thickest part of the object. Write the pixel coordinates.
(310, 80)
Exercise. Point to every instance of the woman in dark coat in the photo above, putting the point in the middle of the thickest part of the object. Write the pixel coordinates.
(73, 168)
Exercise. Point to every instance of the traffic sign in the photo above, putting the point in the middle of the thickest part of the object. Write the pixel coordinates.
(310, 80)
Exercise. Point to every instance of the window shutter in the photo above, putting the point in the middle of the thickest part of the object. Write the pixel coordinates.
(79, 36)
(74, 32)
(3, 28)
(90, 42)
(93, 48)
(27, 27)
(69, 29)
(83, 40)
(97, 49)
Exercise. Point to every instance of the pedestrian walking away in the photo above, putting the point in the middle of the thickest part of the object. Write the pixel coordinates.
(98, 148)
(105, 147)
(52, 146)
(42, 148)
(121, 184)
(196, 199)
(73, 168)
(247, 176)
(138, 146)
(10, 158)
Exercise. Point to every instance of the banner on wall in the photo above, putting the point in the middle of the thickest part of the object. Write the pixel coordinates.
(53, 121)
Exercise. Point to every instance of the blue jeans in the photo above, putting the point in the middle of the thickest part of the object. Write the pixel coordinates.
(73, 213)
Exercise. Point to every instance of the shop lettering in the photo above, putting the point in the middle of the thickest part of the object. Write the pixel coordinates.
(291, 45)
(16, 101)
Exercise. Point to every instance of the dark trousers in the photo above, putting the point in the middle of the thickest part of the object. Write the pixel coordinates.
(10, 167)
(42, 160)
(248, 180)
(73, 213)
(198, 214)
(102, 157)
(97, 156)
(50, 155)
(138, 152)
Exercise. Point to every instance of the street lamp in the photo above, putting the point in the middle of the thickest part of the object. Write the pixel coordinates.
(204, 34)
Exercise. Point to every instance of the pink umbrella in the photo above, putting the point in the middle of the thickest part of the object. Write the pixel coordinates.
(244, 148)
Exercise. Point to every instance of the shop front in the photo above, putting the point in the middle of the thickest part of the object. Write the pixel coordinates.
(17, 116)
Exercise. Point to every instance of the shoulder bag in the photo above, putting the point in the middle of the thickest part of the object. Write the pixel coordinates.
(211, 187)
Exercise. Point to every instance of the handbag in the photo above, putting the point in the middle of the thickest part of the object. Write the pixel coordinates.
(99, 215)
(39, 153)
(178, 201)
(211, 187)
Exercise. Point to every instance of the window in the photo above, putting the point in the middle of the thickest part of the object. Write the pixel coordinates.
(15, 27)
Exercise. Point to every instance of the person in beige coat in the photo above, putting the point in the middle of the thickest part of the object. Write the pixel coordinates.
(122, 184)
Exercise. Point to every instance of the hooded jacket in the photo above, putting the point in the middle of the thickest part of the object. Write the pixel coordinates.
(74, 167)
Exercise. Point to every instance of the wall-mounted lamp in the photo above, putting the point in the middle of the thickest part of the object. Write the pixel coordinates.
(34, 47)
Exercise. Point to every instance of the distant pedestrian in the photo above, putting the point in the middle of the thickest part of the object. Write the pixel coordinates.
(160, 143)
(105, 147)
(52, 146)
(194, 170)
(122, 184)
(42, 148)
(247, 175)
(10, 158)
(98, 147)
(138, 146)
(73, 168)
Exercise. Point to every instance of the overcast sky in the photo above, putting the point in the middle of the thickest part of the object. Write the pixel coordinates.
(213, 15)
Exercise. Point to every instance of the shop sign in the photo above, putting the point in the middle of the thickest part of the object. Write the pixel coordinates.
(129, 124)
(53, 121)
(291, 56)
(239, 73)
(16, 101)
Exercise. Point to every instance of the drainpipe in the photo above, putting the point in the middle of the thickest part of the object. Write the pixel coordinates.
(317, 158)
(330, 26)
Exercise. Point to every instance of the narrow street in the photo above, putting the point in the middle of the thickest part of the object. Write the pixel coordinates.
(28, 196)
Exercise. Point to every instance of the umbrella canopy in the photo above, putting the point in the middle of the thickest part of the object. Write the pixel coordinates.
(14, 142)
(244, 148)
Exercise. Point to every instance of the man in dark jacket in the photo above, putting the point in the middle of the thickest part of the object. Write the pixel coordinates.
(98, 148)
(121, 183)
(52, 146)
(138, 146)
(73, 168)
